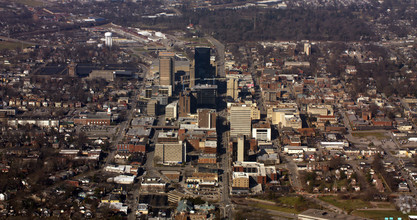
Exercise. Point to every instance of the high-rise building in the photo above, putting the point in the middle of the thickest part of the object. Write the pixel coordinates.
(186, 104)
(192, 76)
(203, 68)
(72, 69)
(307, 49)
(206, 118)
(232, 88)
(240, 120)
(152, 107)
(205, 95)
(108, 40)
(171, 111)
(166, 69)
(241, 148)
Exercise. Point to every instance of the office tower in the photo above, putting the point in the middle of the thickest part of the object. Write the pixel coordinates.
(203, 68)
(166, 69)
(241, 148)
(206, 118)
(307, 49)
(240, 120)
(152, 107)
(232, 88)
(72, 69)
(186, 104)
(205, 95)
(171, 111)
(192, 76)
(108, 39)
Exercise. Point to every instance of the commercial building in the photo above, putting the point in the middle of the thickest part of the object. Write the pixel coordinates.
(319, 109)
(169, 136)
(170, 152)
(153, 184)
(232, 88)
(152, 107)
(207, 118)
(14, 122)
(186, 104)
(240, 120)
(240, 180)
(205, 95)
(99, 118)
(166, 69)
(175, 196)
(241, 148)
(203, 69)
(171, 111)
(258, 171)
(286, 117)
(134, 145)
(261, 131)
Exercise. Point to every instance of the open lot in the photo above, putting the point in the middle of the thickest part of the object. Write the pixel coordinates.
(347, 205)
(379, 214)
(33, 3)
(12, 45)
(377, 135)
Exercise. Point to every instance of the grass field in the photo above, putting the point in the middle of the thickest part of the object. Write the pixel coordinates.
(11, 45)
(378, 135)
(384, 205)
(276, 208)
(379, 214)
(32, 3)
(348, 205)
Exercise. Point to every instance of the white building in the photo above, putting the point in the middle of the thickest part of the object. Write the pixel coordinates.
(298, 149)
(335, 145)
(261, 133)
(108, 39)
(171, 111)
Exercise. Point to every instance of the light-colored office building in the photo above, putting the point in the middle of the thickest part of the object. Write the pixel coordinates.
(240, 180)
(240, 120)
(232, 88)
(170, 152)
(171, 111)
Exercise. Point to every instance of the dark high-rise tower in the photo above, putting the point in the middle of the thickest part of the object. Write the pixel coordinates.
(203, 68)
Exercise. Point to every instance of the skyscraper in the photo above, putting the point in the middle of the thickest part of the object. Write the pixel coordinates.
(232, 88)
(203, 68)
(307, 49)
(166, 69)
(241, 148)
(186, 104)
(192, 76)
(240, 120)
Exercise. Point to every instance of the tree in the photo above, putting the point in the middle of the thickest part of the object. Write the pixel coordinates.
(157, 160)
(336, 163)
(377, 164)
